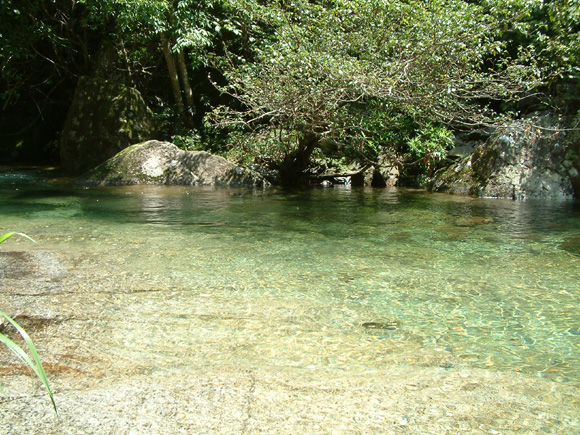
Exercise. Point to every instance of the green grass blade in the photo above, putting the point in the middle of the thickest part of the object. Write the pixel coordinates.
(35, 365)
(26, 237)
(5, 237)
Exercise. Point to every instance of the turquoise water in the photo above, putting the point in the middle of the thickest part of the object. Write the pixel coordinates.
(338, 277)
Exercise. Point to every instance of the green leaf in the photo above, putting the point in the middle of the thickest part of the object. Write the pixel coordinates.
(6, 236)
(34, 363)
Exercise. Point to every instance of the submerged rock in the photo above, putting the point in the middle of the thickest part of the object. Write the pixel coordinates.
(534, 158)
(472, 221)
(390, 325)
(155, 162)
(31, 264)
(29, 323)
(571, 245)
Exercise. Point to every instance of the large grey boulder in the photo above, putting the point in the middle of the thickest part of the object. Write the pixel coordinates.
(155, 162)
(536, 157)
(104, 118)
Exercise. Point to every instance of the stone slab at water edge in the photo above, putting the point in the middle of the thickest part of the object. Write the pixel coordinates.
(155, 162)
(537, 157)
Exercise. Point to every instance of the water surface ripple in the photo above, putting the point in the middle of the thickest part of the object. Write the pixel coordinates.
(334, 278)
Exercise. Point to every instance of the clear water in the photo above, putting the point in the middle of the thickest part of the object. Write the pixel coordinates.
(331, 278)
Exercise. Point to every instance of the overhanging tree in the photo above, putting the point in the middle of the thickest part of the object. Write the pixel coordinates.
(338, 66)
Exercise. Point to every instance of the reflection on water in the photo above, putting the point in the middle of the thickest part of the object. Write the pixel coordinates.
(323, 273)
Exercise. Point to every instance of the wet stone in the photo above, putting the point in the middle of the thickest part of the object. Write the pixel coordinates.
(571, 245)
(14, 264)
(388, 325)
(472, 221)
(28, 323)
(31, 264)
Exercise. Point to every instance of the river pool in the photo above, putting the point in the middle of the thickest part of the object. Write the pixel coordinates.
(332, 282)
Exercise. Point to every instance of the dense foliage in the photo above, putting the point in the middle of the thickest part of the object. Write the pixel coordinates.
(374, 77)
(349, 69)
(43, 49)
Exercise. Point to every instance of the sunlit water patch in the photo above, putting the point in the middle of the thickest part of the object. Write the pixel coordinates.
(340, 278)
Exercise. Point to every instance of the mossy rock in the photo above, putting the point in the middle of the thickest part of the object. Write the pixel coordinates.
(534, 157)
(155, 162)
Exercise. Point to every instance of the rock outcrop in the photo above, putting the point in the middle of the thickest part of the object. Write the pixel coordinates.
(155, 162)
(537, 157)
(104, 118)
(376, 176)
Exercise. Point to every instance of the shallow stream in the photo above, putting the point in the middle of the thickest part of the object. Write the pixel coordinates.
(330, 278)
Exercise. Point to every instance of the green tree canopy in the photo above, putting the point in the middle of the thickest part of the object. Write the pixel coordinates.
(364, 73)
(189, 33)
(337, 66)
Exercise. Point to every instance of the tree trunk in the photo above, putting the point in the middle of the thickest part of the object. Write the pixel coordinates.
(174, 78)
(292, 171)
(185, 79)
